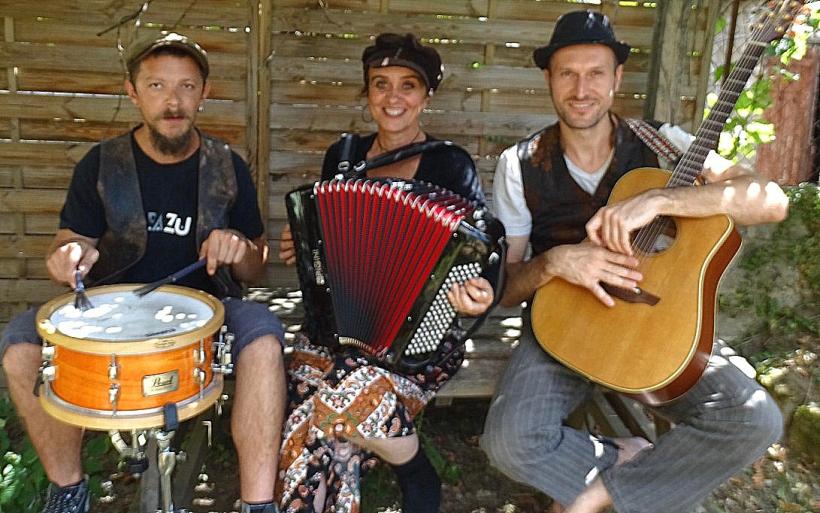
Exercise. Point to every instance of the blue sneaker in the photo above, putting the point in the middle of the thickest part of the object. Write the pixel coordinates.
(68, 499)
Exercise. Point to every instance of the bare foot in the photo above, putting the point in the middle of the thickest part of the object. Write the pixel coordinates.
(628, 448)
(593, 499)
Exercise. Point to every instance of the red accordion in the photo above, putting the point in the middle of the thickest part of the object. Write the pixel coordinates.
(376, 257)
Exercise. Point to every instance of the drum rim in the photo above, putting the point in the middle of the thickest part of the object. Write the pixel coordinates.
(49, 333)
(127, 419)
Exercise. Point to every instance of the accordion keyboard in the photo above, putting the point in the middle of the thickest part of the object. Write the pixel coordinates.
(439, 317)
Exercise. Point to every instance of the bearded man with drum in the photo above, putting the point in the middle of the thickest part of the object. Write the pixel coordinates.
(550, 191)
(140, 207)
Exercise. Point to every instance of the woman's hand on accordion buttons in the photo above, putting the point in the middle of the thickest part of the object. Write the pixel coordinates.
(473, 297)
(287, 250)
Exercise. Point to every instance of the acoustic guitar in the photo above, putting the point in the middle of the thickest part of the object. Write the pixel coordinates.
(657, 340)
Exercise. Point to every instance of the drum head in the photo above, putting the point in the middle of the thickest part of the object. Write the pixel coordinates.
(121, 317)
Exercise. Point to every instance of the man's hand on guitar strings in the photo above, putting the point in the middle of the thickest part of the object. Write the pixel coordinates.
(612, 225)
(587, 264)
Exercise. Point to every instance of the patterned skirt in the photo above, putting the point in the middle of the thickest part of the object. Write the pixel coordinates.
(333, 401)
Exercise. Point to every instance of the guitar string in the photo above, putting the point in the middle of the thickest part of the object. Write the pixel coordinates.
(692, 159)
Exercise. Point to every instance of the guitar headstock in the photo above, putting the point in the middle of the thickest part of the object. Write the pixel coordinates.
(774, 23)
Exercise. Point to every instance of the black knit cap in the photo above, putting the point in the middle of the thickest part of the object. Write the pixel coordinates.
(406, 51)
(581, 27)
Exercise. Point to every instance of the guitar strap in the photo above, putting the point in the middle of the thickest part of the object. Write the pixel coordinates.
(650, 136)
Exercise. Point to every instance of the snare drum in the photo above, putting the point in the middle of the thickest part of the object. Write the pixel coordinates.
(117, 364)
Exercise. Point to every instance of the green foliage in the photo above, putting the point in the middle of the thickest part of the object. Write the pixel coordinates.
(22, 479)
(804, 437)
(788, 260)
(746, 127)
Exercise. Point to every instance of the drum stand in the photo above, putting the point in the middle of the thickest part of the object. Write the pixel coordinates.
(136, 453)
(136, 460)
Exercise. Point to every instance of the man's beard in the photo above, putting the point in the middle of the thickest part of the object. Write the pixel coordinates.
(173, 146)
(579, 124)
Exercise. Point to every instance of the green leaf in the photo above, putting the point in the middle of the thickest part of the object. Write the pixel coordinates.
(720, 24)
(718, 74)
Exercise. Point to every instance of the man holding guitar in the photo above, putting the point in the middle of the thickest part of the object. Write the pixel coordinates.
(550, 191)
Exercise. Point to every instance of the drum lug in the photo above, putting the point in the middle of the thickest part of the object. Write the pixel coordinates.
(199, 377)
(48, 372)
(199, 356)
(113, 368)
(113, 396)
(48, 353)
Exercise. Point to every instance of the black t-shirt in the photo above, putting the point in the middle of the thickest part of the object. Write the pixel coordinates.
(449, 167)
(169, 200)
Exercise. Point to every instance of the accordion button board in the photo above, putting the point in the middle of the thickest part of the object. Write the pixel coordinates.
(376, 258)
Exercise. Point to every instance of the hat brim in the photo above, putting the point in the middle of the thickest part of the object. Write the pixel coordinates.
(198, 56)
(542, 55)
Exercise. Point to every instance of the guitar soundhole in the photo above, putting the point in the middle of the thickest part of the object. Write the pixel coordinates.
(656, 237)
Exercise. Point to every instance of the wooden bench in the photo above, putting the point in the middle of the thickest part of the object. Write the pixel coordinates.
(486, 358)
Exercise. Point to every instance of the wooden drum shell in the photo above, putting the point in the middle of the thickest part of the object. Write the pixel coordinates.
(78, 392)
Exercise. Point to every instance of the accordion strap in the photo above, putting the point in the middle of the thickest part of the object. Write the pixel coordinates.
(650, 136)
(347, 151)
(404, 152)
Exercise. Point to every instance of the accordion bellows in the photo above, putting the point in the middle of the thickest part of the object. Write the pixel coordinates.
(376, 259)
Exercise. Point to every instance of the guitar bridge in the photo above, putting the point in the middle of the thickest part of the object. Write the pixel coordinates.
(634, 295)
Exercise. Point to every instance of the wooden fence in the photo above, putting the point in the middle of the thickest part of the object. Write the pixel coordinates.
(286, 78)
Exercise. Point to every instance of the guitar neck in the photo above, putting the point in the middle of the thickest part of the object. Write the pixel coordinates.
(690, 166)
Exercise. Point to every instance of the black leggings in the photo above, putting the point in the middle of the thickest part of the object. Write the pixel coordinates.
(420, 485)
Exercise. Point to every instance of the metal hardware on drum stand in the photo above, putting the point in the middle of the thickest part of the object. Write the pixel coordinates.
(136, 460)
(222, 347)
(166, 461)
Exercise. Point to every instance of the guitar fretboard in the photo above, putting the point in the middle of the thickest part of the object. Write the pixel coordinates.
(690, 165)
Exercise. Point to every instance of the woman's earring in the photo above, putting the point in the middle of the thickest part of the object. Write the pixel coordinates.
(366, 114)
(201, 108)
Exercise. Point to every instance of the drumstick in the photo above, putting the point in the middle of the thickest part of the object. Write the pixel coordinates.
(81, 301)
(185, 271)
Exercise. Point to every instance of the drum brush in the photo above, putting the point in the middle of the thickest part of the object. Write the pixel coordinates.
(81, 301)
(171, 278)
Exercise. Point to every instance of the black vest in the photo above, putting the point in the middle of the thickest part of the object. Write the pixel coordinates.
(560, 208)
(124, 241)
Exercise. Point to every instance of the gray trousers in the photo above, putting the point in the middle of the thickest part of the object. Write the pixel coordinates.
(722, 424)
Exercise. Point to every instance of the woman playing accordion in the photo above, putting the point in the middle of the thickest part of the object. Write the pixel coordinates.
(347, 405)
